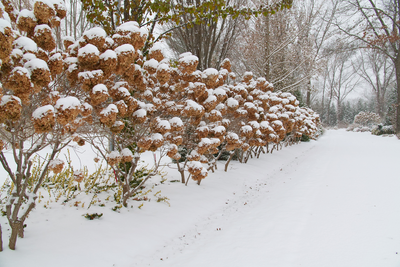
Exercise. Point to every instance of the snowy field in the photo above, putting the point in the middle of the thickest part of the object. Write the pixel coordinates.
(334, 202)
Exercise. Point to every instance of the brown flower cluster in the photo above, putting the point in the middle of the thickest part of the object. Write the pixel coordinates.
(140, 100)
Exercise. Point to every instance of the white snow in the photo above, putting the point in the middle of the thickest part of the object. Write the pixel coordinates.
(164, 124)
(49, 3)
(176, 121)
(41, 111)
(102, 88)
(95, 32)
(158, 46)
(219, 129)
(111, 108)
(87, 106)
(163, 67)
(210, 99)
(124, 48)
(3, 25)
(69, 102)
(88, 49)
(25, 44)
(36, 63)
(17, 53)
(7, 98)
(113, 155)
(246, 129)
(53, 163)
(219, 92)
(68, 38)
(254, 124)
(130, 26)
(332, 203)
(126, 152)
(152, 63)
(188, 58)
(42, 27)
(55, 57)
(140, 113)
(108, 54)
(71, 60)
(21, 71)
(25, 13)
(192, 104)
(210, 72)
(88, 74)
(232, 103)
(157, 136)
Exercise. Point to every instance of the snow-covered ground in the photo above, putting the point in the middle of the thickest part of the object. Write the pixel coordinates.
(332, 202)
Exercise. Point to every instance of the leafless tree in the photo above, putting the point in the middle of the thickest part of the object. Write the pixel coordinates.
(75, 23)
(377, 70)
(286, 48)
(340, 80)
(375, 24)
(211, 41)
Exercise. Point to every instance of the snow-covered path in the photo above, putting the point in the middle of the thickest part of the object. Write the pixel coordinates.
(337, 205)
(334, 202)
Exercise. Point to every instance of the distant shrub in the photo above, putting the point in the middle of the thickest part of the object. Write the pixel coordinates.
(367, 119)
(381, 130)
(305, 138)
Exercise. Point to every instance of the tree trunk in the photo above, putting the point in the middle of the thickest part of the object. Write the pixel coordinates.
(229, 160)
(182, 172)
(308, 99)
(397, 67)
(267, 69)
(15, 230)
(1, 240)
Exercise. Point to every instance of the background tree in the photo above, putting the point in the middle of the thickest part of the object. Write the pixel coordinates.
(286, 48)
(34, 113)
(211, 40)
(341, 80)
(376, 69)
(112, 13)
(376, 25)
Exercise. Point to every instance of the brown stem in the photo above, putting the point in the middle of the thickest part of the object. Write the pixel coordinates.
(229, 160)
(15, 229)
(1, 240)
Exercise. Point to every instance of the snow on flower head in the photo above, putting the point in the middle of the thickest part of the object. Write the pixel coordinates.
(36, 63)
(25, 13)
(157, 47)
(69, 102)
(188, 58)
(26, 44)
(152, 63)
(108, 54)
(95, 32)
(210, 71)
(232, 103)
(7, 98)
(128, 26)
(42, 111)
(100, 88)
(124, 48)
(126, 152)
(88, 49)
(109, 109)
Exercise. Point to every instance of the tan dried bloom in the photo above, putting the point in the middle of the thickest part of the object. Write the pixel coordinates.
(10, 107)
(26, 21)
(78, 176)
(44, 38)
(44, 119)
(43, 12)
(56, 165)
